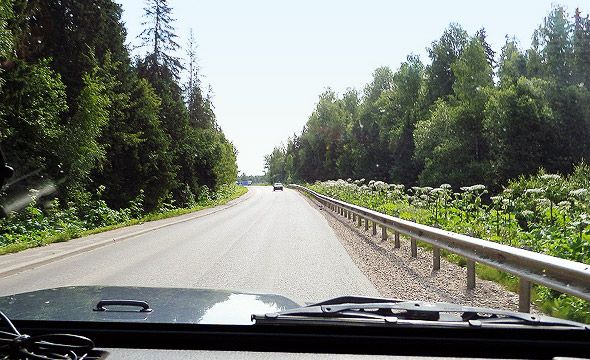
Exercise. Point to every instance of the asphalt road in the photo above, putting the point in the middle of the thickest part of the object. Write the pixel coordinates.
(272, 242)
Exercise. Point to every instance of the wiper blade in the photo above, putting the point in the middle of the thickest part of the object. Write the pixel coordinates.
(377, 311)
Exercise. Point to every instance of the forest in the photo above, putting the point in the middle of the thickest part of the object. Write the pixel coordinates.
(95, 135)
(467, 116)
(493, 145)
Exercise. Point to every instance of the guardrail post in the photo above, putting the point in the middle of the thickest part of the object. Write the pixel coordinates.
(414, 247)
(353, 217)
(397, 244)
(359, 220)
(374, 228)
(470, 274)
(435, 258)
(366, 224)
(349, 214)
(524, 295)
(383, 233)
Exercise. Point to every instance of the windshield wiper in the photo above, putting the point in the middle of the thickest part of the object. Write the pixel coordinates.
(388, 312)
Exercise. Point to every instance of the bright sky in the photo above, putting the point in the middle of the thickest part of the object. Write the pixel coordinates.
(268, 60)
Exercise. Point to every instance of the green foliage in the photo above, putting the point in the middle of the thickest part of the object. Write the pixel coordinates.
(443, 53)
(76, 110)
(450, 120)
(38, 226)
(159, 36)
(519, 124)
(546, 213)
(451, 143)
(512, 63)
(581, 49)
(6, 13)
(555, 40)
(81, 147)
(33, 101)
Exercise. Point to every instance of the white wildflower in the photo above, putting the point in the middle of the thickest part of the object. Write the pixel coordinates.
(578, 192)
(380, 185)
(543, 202)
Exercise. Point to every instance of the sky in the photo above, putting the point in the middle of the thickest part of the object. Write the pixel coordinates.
(267, 61)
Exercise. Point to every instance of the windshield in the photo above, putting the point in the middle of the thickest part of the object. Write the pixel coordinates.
(421, 151)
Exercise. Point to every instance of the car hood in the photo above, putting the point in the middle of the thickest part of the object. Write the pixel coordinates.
(168, 305)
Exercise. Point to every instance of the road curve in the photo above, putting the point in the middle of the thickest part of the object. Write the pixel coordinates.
(273, 242)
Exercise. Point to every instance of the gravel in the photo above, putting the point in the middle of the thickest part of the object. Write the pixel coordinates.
(396, 274)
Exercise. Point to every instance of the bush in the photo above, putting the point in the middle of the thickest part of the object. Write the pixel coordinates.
(547, 213)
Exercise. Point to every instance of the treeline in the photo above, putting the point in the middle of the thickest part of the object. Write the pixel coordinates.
(470, 116)
(76, 108)
(256, 179)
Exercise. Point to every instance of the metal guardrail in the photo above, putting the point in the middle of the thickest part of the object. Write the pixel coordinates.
(566, 276)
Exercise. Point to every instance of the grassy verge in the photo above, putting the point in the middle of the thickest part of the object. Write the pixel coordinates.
(548, 301)
(560, 306)
(68, 235)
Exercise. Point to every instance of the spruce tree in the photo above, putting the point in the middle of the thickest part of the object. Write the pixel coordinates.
(200, 113)
(581, 51)
(159, 36)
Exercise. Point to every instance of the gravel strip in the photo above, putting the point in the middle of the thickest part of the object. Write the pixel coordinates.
(398, 275)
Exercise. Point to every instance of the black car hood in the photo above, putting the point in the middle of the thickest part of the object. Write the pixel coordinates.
(168, 305)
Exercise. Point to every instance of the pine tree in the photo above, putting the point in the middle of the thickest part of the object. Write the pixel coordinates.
(581, 44)
(159, 35)
(200, 113)
(512, 63)
(557, 46)
(534, 60)
(490, 54)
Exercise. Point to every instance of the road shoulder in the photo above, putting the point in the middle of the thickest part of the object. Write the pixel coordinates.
(397, 275)
(34, 257)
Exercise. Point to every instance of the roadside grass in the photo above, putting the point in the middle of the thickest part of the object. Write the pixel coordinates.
(69, 235)
(560, 305)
